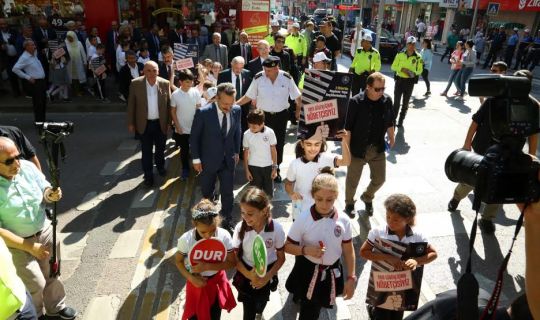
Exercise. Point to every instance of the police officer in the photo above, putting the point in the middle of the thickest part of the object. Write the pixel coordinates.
(511, 47)
(366, 61)
(275, 29)
(271, 89)
(369, 119)
(408, 66)
(298, 44)
(521, 52)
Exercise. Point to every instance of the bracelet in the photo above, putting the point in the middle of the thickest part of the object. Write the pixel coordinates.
(303, 250)
(353, 277)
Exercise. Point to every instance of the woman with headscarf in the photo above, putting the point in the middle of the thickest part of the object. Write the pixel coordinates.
(77, 63)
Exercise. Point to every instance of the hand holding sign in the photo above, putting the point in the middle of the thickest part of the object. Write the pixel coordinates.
(259, 256)
(323, 130)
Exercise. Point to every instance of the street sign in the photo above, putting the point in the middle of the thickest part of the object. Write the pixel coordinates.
(207, 250)
(259, 256)
(493, 8)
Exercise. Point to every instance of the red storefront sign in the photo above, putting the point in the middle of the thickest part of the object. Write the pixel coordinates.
(513, 5)
(254, 19)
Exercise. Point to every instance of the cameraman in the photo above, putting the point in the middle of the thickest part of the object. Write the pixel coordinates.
(28, 152)
(26, 230)
(480, 138)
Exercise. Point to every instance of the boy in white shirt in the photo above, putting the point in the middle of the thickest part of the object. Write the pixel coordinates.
(144, 56)
(184, 102)
(260, 154)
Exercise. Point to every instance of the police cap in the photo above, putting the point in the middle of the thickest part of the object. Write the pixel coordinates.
(271, 61)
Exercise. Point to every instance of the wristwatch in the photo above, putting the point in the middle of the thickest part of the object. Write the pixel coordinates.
(274, 166)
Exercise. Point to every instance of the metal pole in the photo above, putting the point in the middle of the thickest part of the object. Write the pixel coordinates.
(379, 23)
(472, 34)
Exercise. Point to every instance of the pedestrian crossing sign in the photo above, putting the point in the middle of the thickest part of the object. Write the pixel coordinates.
(493, 8)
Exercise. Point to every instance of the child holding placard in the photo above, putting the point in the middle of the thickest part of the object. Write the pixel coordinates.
(310, 159)
(207, 290)
(257, 224)
(319, 237)
(393, 248)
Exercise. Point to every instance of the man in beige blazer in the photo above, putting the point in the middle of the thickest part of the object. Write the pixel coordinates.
(148, 113)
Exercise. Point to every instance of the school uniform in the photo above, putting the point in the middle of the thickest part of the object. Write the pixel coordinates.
(302, 172)
(384, 237)
(274, 238)
(206, 303)
(260, 157)
(315, 282)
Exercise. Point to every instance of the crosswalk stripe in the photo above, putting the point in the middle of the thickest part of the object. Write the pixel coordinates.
(145, 312)
(164, 305)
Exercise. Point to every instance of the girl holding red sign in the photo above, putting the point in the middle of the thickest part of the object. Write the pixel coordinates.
(254, 288)
(204, 253)
(319, 237)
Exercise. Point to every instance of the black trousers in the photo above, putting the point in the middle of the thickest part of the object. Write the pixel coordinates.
(491, 57)
(252, 308)
(309, 310)
(520, 60)
(358, 82)
(403, 88)
(447, 51)
(509, 54)
(182, 141)
(278, 122)
(152, 136)
(39, 99)
(262, 179)
(383, 314)
(425, 76)
(215, 312)
(13, 78)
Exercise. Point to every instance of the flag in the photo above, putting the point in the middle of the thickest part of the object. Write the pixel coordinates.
(183, 51)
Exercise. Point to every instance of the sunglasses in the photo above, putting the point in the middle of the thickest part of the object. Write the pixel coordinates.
(10, 161)
(381, 89)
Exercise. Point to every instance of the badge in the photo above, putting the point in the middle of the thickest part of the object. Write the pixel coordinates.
(265, 139)
(345, 80)
(337, 231)
(420, 250)
(269, 243)
(413, 60)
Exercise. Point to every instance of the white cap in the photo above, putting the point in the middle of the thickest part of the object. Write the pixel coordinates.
(321, 56)
(411, 39)
(367, 37)
(296, 25)
(274, 24)
(211, 92)
(527, 30)
(516, 29)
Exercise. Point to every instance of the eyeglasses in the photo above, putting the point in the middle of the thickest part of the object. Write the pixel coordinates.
(381, 89)
(10, 161)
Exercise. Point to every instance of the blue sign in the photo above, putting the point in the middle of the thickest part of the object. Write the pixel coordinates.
(493, 8)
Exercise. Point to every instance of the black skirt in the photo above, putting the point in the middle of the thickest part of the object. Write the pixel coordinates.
(247, 293)
(300, 278)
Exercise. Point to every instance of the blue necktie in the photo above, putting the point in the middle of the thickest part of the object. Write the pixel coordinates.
(224, 125)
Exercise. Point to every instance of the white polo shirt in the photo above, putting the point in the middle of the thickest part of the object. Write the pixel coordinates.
(258, 144)
(272, 234)
(273, 97)
(188, 240)
(186, 104)
(302, 174)
(310, 228)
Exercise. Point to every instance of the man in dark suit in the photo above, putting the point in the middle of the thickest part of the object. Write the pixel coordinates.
(241, 48)
(42, 34)
(111, 44)
(166, 67)
(255, 66)
(8, 54)
(216, 51)
(149, 114)
(241, 80)
(154, 44)
(131, 70)
(177, 35)
(215, 147)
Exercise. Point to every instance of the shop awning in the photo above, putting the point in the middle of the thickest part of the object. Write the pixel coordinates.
(507, 25)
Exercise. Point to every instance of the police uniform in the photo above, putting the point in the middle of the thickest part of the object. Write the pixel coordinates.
(273, 99)
(317, 281)
(298, 45)
(405, 82)
(273, 235)
(270, 38)
(364, 63)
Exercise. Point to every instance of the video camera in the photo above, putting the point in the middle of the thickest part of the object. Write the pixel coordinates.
(504, 174)
(55, 127)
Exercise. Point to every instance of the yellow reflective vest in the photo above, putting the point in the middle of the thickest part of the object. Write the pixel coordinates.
(297, 43)
(270, 39)
(413, 62)
(366, 61)
(12, 290)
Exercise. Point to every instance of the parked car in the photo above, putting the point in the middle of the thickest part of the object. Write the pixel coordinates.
(389, 46)
(319, 14)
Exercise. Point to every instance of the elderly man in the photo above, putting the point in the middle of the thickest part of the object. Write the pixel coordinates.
(272, 90)
(256, 65)
(215, 149)
(27, 231)
(216, 51)
(28, 152)
(241, 48)
(29, 68)
(149, 114)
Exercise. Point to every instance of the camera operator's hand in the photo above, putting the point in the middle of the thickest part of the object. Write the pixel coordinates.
(467, 146)
(40, 251)
(52, 195)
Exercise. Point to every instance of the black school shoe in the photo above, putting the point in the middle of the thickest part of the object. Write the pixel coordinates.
(487, 226)
(349, 210)
(369, 208)
(453, 204)
(67, 313)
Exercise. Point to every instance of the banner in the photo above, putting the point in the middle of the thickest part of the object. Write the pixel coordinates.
(395, 290)
(255, 19)
(58, 53)
(207, 250)
(324, 94)
(184, 64)
(259, 256)
(449, 3)
(184, 51)
(516, 5)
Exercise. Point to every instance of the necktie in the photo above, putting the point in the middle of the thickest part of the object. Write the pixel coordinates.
(238, 89)
(45, 33)
(217, 54)
(169, 71)
(243, 51)
(224, 125)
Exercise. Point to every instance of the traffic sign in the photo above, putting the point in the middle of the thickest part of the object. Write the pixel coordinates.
(259, 256)
(207, 250)
(493, 8)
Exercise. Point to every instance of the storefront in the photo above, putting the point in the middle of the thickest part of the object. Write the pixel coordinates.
(427, 10)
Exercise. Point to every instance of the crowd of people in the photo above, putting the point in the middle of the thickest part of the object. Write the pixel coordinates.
(230, 107)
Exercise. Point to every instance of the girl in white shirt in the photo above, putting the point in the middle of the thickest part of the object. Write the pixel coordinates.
(253, 290)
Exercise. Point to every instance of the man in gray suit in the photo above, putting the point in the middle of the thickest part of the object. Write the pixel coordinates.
(148, 113)
(216, 51)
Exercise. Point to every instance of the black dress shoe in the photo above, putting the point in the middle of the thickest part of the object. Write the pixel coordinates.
(162, 172)
(369, 208)
(453, 204)
(349, 210)
(149, 182)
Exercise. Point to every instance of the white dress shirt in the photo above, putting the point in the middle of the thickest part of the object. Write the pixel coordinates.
(220, 115)
(28, 66)
(134, 71)
(273, 96)
(152, 99)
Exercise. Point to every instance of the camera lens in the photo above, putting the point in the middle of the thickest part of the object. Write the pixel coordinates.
(461, 166)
